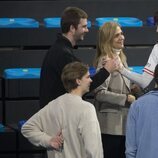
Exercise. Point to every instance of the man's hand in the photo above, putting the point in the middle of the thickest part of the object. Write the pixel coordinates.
(57, 141)
(111, 64)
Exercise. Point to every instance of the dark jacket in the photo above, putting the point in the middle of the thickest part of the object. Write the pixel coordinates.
(60, 54)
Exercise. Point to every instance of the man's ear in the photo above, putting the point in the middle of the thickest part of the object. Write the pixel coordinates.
(72, 28)
(78, 81)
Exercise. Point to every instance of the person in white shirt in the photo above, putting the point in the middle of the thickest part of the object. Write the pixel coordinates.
(72, 115)
(143, 80)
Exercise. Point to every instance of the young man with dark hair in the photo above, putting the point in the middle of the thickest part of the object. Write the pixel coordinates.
(74, 28)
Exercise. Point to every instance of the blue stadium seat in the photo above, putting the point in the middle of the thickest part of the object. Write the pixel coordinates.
(18, 23)
(123, 21)
(150, 21)
(22, 73)
(137, 69)
(2, 128)
(92, 71)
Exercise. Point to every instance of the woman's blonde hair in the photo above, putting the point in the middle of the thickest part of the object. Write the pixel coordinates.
(105, 39)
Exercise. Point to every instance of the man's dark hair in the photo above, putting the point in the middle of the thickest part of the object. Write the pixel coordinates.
(156, 74)
(72, 16)
(71, 72)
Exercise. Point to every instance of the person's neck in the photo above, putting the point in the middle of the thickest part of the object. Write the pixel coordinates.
(70, 38)
(76, 92)
(116, 51)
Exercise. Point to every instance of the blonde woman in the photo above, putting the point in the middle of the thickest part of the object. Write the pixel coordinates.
(113, 97)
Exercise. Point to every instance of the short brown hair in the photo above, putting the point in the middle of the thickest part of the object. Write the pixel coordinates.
(71, 72)
(71, 16)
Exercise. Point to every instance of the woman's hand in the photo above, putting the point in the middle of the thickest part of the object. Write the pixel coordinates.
(131, 98)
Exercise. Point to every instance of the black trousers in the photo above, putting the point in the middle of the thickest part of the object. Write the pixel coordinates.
(113, 146)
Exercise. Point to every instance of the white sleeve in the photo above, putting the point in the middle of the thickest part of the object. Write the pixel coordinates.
(33, 129)
(152, 61)
(143, 80)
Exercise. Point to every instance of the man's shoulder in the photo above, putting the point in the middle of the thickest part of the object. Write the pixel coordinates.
(156, 45)
(155, 48)
(87, 105)
(148, 97)
(60, 48)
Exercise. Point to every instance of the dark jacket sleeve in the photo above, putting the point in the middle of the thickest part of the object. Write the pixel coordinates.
(99, 78)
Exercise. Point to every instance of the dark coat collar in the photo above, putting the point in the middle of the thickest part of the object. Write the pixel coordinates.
(62, 38)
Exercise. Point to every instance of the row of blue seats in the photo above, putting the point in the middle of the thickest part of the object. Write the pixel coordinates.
(34, 73)
(55, 22)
